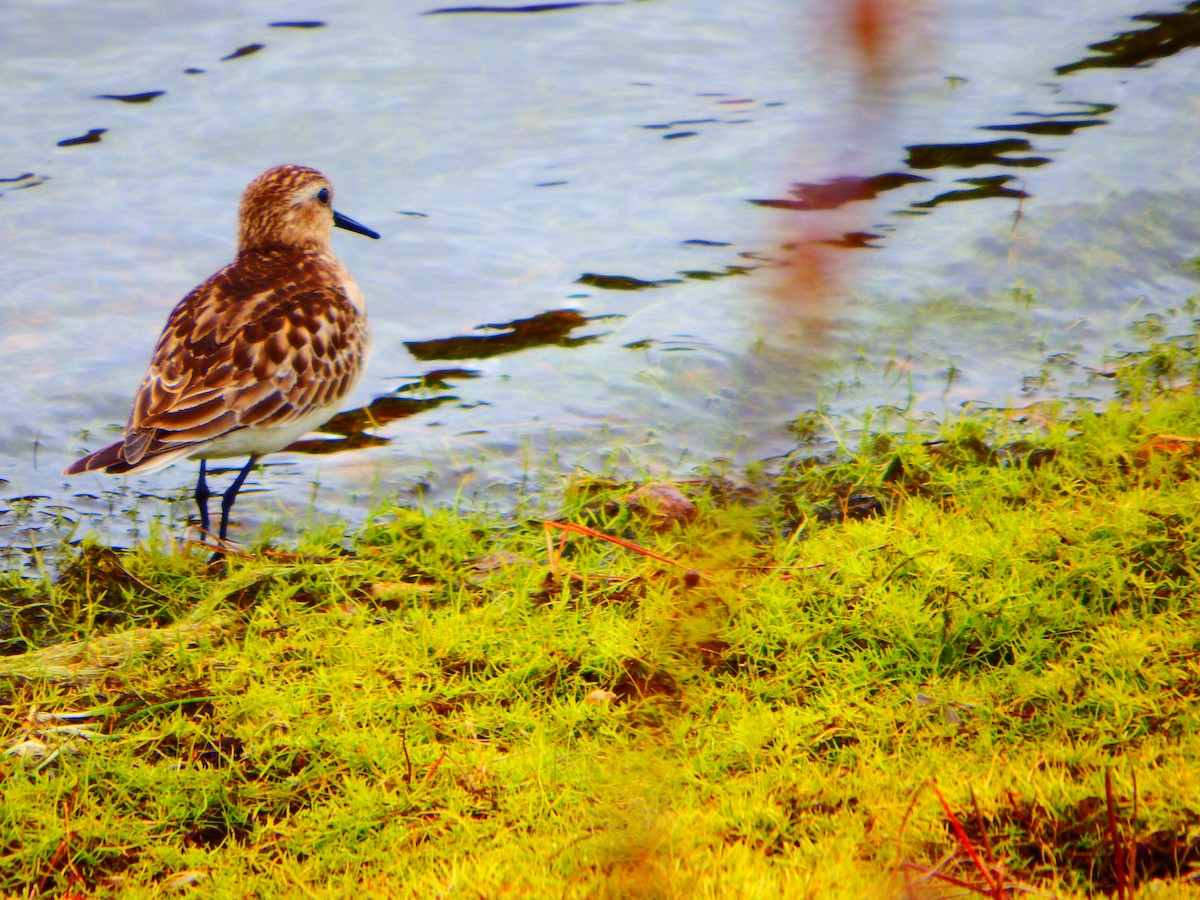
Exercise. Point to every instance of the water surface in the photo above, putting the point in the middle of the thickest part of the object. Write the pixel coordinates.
(584, 209)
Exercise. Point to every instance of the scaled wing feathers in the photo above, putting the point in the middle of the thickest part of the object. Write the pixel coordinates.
(232, 357)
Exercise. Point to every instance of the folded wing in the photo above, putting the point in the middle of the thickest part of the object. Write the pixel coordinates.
(279, 356)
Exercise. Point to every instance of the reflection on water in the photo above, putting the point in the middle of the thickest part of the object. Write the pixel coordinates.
(535, 8)
(1171, 33)
(548, 328)
(20, 182)
(669, 141)
(840, 191)
(977, 153)
(245, 50)
(622, 282)
(144, 97)
(92, 137)
(1055, 126)
(984, 188)
(846, 189)
(354, 428)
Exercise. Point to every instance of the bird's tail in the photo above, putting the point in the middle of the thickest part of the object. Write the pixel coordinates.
(112, 459)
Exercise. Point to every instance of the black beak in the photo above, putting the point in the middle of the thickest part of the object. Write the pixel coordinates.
(349, 224)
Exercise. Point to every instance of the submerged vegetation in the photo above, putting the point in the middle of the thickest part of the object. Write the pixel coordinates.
(962, 662)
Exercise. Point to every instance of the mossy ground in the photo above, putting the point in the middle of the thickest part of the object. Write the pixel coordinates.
(446, 704)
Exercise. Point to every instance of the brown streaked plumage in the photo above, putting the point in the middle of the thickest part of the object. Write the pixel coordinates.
(260, 353)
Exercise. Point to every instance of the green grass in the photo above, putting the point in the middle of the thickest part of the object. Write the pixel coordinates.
(440, 706)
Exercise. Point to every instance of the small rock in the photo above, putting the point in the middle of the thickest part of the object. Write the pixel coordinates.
(663, 504)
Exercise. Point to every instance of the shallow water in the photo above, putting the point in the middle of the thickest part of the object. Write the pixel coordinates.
(584, 210)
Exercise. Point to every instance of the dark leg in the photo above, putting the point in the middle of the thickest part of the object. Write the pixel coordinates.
(202, 495)
(231, 494)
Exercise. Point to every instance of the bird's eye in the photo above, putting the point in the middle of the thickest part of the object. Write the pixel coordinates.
(323, 195)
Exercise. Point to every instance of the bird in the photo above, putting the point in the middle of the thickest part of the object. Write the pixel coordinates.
(257, 355)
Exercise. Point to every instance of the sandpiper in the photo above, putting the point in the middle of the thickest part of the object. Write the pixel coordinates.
(260, 353)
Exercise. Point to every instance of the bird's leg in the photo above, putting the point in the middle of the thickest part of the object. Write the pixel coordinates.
(202, 495)
(231, 494)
